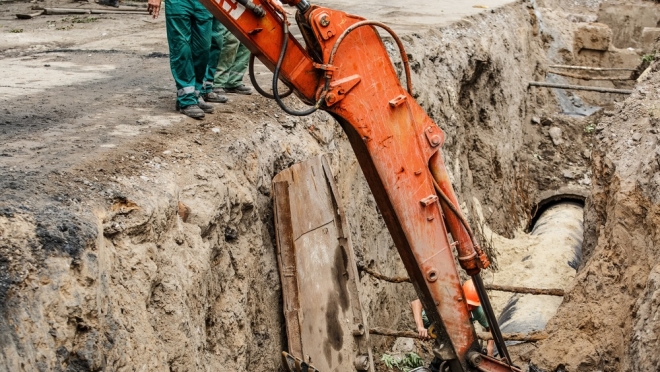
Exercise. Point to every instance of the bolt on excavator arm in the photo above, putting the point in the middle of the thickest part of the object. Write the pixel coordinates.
(345, 70)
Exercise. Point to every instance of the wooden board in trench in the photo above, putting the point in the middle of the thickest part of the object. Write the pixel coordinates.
(324, 319)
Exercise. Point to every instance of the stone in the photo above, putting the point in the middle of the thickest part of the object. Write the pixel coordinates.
(569, 175)
(586, 154)
(289, 124)
(593, 36)
(403, 345)
(649, 36)
(585, 180)
(215, 130)
(555, 135)
(580, 18)
(637, 136)
(536, 120)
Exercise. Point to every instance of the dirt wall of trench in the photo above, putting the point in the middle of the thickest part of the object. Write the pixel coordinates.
(609, 318)
(99, 271)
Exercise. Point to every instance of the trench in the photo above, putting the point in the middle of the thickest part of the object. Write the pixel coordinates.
(182, 273)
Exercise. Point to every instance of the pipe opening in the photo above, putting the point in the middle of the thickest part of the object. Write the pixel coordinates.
(540, 207)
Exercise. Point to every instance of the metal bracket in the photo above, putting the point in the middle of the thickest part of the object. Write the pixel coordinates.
(429, 200)
(329, 69)
(339, 89)
(398, 100)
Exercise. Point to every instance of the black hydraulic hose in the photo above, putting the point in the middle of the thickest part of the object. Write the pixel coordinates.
(256, 86)
(492, 320)
(276, 75)
(256, 9)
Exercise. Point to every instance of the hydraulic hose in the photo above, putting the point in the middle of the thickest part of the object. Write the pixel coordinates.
(256, 9)
(404, 57)
(492, 320)
(255, 84)
(276, 76)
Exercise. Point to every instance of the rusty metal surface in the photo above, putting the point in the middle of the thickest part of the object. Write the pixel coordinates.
(490, 364)
(325, 323)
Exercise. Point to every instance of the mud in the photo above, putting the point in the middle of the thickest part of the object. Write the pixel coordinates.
(98, 271)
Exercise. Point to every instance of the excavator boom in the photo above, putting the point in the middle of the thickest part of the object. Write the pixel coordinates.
(345, 69)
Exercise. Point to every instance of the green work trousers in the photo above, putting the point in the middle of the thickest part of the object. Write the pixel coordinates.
(217, 43)
(232, 61)
(188, 26)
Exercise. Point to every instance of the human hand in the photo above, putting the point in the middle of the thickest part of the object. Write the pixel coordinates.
(490, 347)
(423, 333)
(153, 7)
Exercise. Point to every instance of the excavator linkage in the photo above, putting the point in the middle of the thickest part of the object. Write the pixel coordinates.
(345, 70)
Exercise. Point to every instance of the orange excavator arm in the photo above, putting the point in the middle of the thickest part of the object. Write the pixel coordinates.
(345, 70)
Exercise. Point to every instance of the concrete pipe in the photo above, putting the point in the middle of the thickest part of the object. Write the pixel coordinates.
(551, 263)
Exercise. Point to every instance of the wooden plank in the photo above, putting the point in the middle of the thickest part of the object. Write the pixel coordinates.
(345, 243)
(286, 260)
(329, 310)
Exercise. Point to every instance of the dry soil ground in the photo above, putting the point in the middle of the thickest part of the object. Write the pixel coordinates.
(97, 271)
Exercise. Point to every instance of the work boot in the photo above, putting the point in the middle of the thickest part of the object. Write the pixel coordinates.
(241, 89)
(215, 97)
(204, 106)
(192, 111)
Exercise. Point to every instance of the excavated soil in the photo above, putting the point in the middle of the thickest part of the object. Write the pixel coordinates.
(132, 239)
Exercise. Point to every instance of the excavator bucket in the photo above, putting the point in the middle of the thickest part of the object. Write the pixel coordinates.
(325, 323)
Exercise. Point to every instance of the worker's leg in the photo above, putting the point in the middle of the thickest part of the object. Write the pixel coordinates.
(200, 43)
(226, 59)
(178, 23)
(237, 70)
(214, 53)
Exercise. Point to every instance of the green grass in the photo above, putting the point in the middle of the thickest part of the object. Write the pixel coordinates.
(410, 361)
(590, 128)
(16, 30)
(648, 58)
